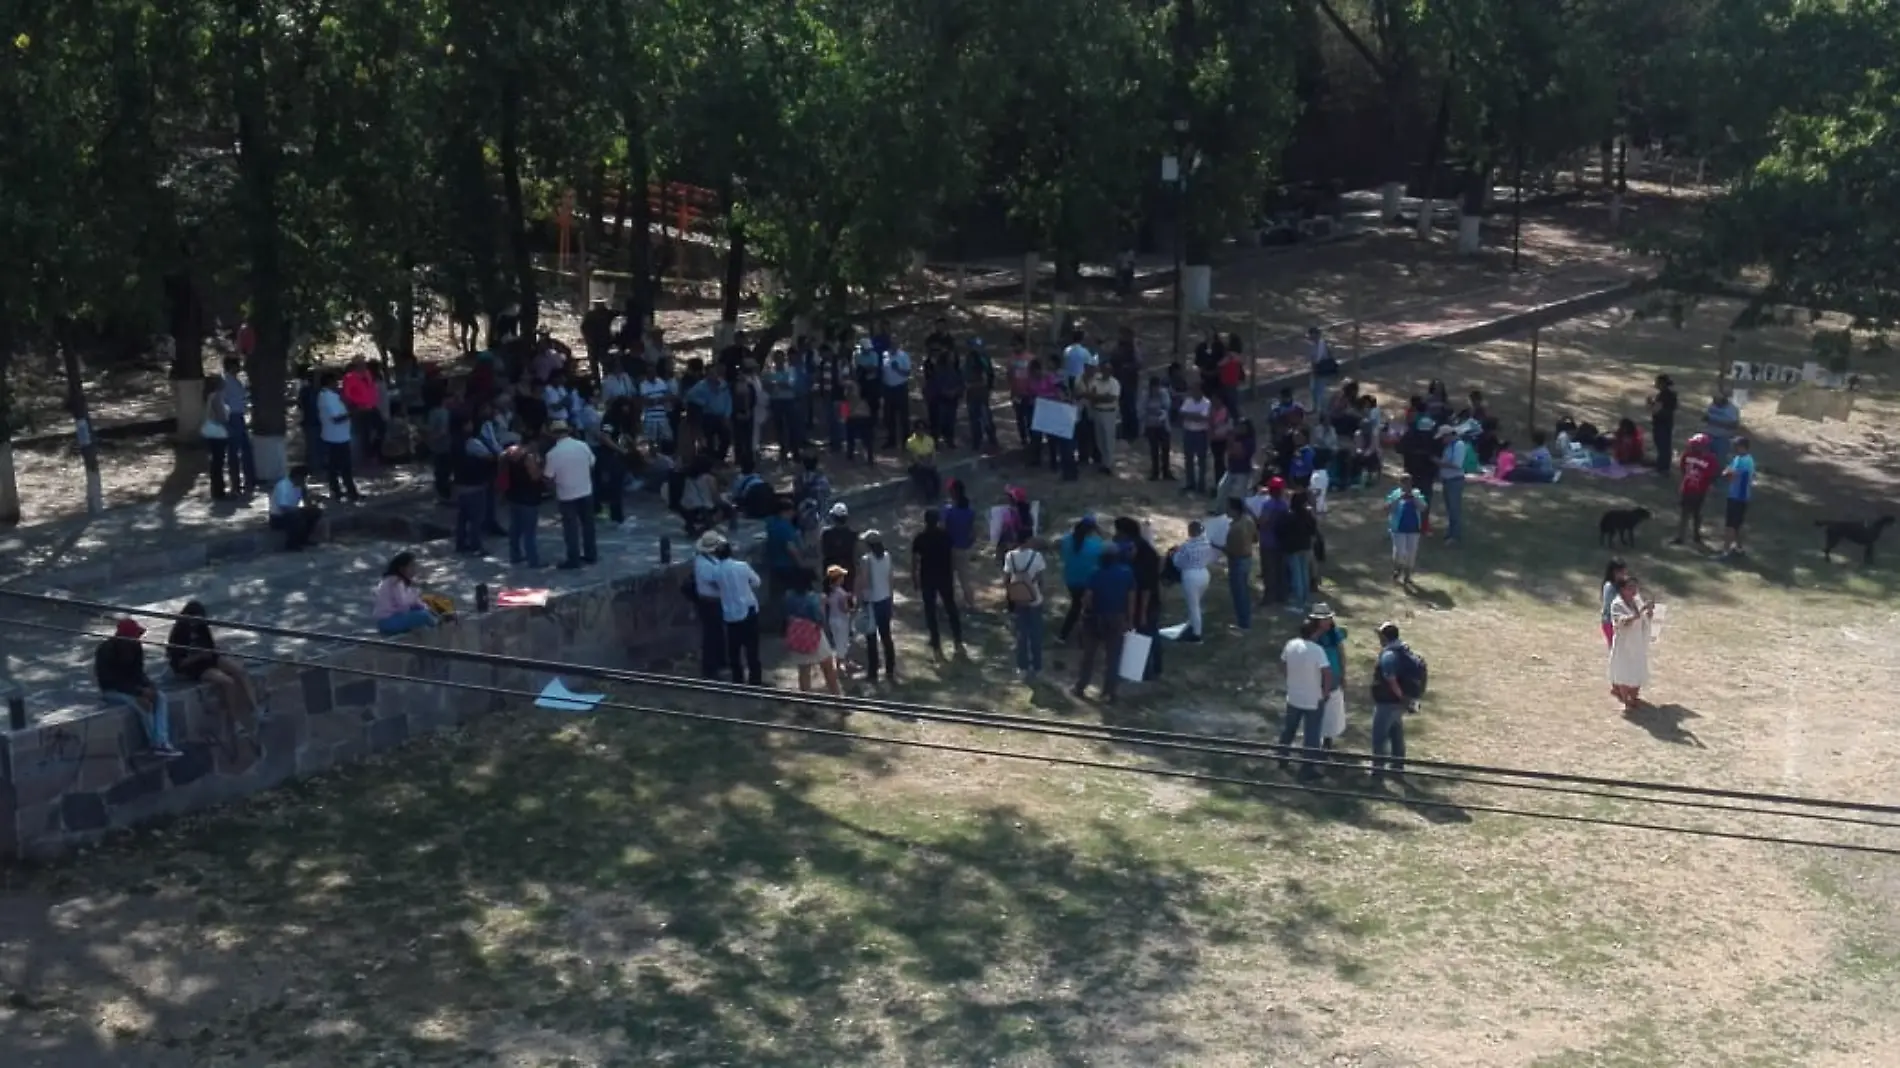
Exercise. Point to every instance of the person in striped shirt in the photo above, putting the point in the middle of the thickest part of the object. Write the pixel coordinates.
(1191, 559)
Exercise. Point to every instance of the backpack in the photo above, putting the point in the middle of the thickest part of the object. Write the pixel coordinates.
(1471, 459)
(1020, 589)
(1414, 673)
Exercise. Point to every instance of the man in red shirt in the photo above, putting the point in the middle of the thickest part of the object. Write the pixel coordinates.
(1698, 474)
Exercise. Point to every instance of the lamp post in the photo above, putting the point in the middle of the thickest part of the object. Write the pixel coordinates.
(1175, 169)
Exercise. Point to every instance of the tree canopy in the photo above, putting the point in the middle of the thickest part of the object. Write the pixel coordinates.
(316, 164)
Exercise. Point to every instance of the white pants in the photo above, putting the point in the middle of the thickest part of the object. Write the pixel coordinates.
(1404, 551)
(1194, 587)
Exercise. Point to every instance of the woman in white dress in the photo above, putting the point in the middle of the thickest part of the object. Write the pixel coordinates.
(1631, 619)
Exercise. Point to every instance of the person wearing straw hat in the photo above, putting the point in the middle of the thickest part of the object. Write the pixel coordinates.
(570, 466)
(1330, 636)
(705, 594)
(1451, 480)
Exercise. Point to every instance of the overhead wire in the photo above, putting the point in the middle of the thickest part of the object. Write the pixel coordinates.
(1045, 758)
(1475, 774)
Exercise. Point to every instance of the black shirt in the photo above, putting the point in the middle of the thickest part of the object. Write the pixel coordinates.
(1296, 531)
(930, 552)
(1666, 404)
(838, 547)
(119, 665)
(940, 342)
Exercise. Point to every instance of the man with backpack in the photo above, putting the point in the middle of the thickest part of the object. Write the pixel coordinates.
(1398, 681)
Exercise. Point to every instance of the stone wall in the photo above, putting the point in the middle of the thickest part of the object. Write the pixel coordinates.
(73, 777)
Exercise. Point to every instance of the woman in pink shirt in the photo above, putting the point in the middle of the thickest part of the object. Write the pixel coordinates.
(399, 608)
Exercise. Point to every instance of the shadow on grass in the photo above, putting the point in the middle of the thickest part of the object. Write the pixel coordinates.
(1666, 723)
(621, 889)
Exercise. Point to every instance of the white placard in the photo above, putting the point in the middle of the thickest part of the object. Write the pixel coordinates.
(1135, 648)
(999, 515)
(556, 697)
(1216, 531)
(1738, 397)
(1053, 418)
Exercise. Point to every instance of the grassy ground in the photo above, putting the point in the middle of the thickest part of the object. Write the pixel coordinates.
(550, 890)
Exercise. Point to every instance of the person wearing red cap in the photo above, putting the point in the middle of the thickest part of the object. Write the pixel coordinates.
(1267, 508)
(119, 666)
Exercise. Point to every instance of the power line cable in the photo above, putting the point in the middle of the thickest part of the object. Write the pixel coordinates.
(1145, 737)
(1161, 772)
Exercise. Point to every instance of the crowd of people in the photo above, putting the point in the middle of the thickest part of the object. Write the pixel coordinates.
(525, 424)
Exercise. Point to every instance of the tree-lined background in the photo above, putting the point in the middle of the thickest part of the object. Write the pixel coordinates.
(316, 166)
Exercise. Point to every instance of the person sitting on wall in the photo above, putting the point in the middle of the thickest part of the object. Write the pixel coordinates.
(119, 666)
(193, 654)
(292, 512)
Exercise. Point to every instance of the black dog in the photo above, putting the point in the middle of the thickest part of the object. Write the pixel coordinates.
(1619, 525)
(1861, 533)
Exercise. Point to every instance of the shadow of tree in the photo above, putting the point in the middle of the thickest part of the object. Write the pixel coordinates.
(642, 890)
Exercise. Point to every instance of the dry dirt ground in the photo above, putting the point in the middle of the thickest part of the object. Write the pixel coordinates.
(626, 889)
(1267, 297)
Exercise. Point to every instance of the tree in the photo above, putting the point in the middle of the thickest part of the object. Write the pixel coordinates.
(1813, 215)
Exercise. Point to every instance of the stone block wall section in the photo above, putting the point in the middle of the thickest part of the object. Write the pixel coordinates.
(75, 776)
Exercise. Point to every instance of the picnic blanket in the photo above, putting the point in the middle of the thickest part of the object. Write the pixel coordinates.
(1612, 471)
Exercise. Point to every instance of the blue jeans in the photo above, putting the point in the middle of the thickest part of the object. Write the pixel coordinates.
(1299, 574)
(1388, 737)
(470, 503)
(242, 459)
(1194, 458)
(577, 532)
(786, 423)
(1237, 569)
(1454, 495)
(404, 622)
(1319, 395)
(982, 426)
(1029, 628)
(156, 723)
(523, 546)
(1065, 456)
(880, 636)
(1304, 722)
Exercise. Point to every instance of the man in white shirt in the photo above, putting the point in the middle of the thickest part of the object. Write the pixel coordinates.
(1309, 678)
(894, 376)
(739, 607)
(1104, 396)
(1023, 568)
(333, 422)
(291, 513)
(570, 466)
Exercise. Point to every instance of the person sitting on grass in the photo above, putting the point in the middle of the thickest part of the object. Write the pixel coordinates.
(193, 654)
(922, 450)
(1626, 445)
(398, 606)
(752, 497)
(119, 667)
(1537, 466)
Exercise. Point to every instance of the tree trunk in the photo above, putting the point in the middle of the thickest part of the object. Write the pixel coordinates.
(619, 237)
(526, 292)
(1441, 127)
(9, 478)
(187, 330)
(1471, 210)
(641, 285)
(82, 421)
(258, 162)
(735, 273)
(406, 314)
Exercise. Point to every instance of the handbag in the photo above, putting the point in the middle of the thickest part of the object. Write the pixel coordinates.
(212, 430)
(803, 636)
(863, 624)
